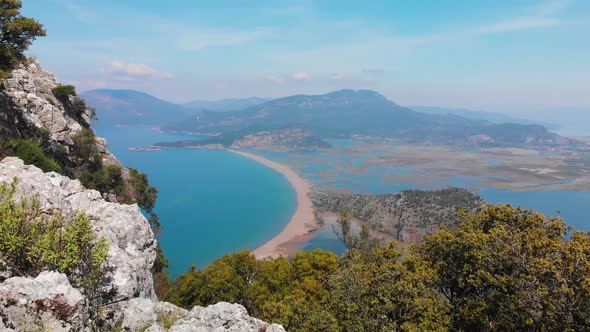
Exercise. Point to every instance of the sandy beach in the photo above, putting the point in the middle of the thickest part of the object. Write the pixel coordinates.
(303, 220)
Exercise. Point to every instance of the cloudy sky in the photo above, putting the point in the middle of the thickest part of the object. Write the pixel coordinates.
(511, 56)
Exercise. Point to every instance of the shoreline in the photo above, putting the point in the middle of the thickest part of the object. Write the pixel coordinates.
(303, 221)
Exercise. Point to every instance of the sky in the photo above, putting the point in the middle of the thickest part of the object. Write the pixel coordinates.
(513, 56)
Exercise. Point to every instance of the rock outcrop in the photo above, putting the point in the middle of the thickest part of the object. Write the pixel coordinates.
(49, 301)
(29, 109)
(29, 88)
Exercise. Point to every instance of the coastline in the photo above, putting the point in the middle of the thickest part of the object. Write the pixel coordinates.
(303, 221)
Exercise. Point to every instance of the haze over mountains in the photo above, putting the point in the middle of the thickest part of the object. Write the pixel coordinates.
(336, 114)
(345, 113)
(232, 104)
(130, 107)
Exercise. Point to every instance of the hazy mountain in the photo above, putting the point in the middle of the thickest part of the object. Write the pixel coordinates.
(571, 121)
(362, 112)
(232, 104)
(481, 115)
(130, 107)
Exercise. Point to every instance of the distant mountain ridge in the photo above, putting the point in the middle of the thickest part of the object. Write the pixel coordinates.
(481, 115)
(130, 107)
(345, 113)
(231, 104)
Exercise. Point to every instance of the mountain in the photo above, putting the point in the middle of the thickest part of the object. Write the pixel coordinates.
(130, 107)
(222, 105)
(480, 115)
(345, 113)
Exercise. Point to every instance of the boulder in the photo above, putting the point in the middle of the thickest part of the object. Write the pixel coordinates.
(47, 302)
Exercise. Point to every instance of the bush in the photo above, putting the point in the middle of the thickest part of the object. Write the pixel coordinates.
(32, 154)
(63, 92)
(31, 241)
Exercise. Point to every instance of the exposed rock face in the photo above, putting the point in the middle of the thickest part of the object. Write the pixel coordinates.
(132, 244)
(405, 216)
(29, 87)
(48, 300)
(222, 317)
(30, 110)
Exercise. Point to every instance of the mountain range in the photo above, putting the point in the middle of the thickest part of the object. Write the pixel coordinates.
(231, 104)
(130, 107)
(341, 113)
(345, 113)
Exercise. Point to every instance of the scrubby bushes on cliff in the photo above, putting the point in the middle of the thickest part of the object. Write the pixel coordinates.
(31, 153)
(503, 269)
(31, 241)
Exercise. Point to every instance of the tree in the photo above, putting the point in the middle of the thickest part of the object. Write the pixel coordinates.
(17, 33)
(511, 269)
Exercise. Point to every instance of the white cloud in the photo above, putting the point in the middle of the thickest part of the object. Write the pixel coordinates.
(129, 71)
(519, 23)
(540, 16)
(300, 76)
(80, 13)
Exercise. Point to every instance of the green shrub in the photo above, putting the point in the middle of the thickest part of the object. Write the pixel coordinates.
(32, 154)
(31, 241)
(63, 92)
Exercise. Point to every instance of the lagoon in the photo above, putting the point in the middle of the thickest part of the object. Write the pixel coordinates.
(210, 202)
(214, 202)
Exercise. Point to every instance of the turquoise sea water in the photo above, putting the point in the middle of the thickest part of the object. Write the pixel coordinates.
(210, 202)
(215, 202)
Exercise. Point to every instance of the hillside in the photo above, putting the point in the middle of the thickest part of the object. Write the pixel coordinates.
(367, 113)
(130, 107)
(405, 216)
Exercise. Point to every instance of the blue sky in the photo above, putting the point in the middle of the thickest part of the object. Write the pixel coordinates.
(511, 56)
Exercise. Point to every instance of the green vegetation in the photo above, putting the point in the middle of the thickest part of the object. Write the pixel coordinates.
(31, 153)
(503, 269)
(16, 34)
(91, 171)
(31, 241)
(63, 92)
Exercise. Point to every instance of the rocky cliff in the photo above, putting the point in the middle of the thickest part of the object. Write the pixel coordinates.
(31, 110)
(49, 301)
(405, 216)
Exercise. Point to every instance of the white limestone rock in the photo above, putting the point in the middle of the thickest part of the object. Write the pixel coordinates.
(132, 245)
(47, 302)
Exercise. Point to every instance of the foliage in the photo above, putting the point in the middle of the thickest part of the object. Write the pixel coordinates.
(31, 153)
(363, 241)
(63, 92)
(512, 269)
(17, 33)
(31, 241)
(503, 269)
(144, 194)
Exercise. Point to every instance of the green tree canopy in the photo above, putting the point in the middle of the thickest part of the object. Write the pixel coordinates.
(17, 33)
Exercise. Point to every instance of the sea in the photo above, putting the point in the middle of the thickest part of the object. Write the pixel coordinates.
(215, 202)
